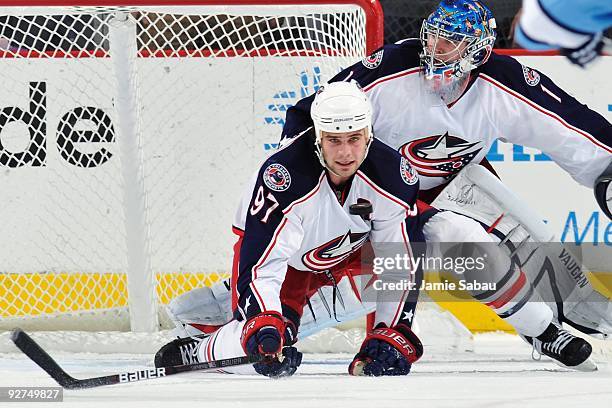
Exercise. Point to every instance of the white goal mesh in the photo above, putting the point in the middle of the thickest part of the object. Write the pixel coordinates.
(126, 134)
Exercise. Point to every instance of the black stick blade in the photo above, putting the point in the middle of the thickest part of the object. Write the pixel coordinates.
(31, 349)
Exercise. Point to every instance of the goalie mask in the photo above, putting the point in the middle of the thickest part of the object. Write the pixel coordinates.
(456, 38)
(340, 107)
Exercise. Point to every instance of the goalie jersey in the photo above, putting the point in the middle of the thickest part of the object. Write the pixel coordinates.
(291, 216)
(504, 100)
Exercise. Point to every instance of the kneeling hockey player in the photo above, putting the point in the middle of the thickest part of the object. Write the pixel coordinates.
(302, 226)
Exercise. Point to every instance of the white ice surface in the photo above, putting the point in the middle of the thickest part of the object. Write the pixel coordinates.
(498, 373)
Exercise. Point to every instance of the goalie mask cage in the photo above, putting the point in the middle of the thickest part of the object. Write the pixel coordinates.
(126, 135)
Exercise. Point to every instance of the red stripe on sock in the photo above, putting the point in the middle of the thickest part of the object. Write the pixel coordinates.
(510, 293)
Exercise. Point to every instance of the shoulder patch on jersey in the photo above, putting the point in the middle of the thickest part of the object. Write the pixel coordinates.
(374, 60)
(531, 76)
(409, 174)
(277, 177)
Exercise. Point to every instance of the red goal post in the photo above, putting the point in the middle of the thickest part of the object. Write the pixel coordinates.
(127, 130)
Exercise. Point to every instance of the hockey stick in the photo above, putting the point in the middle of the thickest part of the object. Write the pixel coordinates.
(31, 349)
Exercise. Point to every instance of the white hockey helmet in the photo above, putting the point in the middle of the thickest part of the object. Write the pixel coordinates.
(340, 107)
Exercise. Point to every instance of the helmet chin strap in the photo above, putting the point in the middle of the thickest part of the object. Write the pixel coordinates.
(324, 163)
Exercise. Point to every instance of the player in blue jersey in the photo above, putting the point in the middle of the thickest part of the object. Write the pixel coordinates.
(574, 27)
(442, 101)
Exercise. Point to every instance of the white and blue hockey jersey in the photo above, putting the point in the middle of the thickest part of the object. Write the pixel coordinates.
(546, 24)
(291, 216)
(504, 100)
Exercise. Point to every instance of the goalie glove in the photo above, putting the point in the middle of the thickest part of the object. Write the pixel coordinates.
(387, 351)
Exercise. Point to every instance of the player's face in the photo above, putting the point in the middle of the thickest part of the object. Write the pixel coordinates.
(445, 51)
(441, 79)
(343, 153)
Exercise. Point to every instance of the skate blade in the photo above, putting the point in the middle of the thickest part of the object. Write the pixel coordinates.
(587, 365)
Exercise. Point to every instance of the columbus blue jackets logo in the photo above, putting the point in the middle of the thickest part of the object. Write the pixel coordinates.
(440, 155)
(276, 177)
(409, 174)
(372, 61)
(335, 251)
(531, 76)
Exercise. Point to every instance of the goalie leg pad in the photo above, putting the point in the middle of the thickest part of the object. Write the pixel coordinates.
(568, 293)
(509, 293)
(201, 307)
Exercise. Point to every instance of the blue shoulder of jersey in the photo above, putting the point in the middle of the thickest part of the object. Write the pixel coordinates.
(537, 88)
(385, 61)
(517, 77)
(293, 171)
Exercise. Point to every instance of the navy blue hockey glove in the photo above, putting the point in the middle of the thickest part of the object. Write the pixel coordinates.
(285, 366)
(587, 52)
(387, 351)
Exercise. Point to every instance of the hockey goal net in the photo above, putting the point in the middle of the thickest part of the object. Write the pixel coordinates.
(126, 135)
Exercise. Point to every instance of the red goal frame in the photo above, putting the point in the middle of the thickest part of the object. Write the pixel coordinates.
(372, 9)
